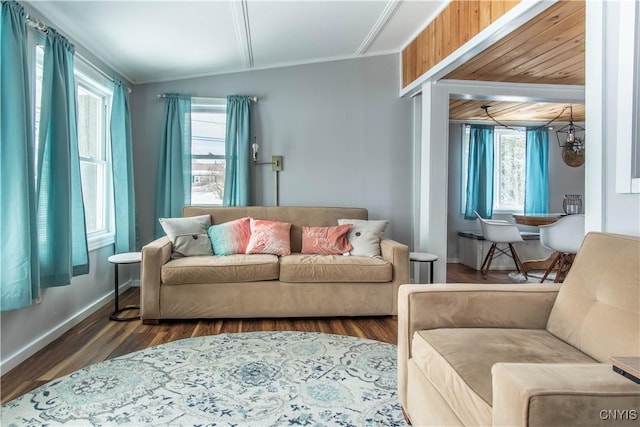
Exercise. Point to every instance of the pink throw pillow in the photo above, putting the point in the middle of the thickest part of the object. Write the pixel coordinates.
(326, 240)
(269, 237)
(230, 237)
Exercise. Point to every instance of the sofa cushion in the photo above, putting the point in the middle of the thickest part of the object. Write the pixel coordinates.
(220, 269)
(598, 307)
(334, 268)
(458, 362)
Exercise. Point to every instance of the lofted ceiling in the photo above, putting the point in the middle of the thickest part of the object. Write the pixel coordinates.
(548, 49)
(149, 41)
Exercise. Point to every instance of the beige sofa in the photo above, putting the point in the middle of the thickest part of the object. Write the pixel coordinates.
(525, 355)
(297, 285)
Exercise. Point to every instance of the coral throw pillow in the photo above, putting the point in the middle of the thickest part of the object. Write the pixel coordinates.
(326, 240)
(230, 237)
(269, 237)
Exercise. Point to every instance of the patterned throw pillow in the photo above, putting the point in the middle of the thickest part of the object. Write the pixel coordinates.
(230, 237)
(365, 236)
(269, 237)
(188, 235)
(326, 240)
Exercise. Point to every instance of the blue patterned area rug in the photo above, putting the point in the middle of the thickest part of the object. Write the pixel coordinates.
(244, 379)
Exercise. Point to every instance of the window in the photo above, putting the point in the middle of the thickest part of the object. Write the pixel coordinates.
(93, 105)
(509, 168)
(208, 129)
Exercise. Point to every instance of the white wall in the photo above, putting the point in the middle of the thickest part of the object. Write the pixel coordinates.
(563, 180)
(345, 135)
(622, 211)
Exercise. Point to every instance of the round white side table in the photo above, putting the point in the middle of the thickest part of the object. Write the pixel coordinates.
(424, 257)
(117, 259)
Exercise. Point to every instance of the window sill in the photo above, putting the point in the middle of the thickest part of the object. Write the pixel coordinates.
(100, 240)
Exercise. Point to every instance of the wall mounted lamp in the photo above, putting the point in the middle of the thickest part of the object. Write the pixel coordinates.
(276, 166)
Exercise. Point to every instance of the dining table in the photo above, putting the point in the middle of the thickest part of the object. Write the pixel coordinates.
(536, 220)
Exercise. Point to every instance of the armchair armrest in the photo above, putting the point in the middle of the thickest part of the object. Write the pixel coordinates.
(154, 256)
(454, 305)
(527, 394)
(398, 255)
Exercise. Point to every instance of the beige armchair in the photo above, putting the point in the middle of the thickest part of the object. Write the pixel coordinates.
(525, 355)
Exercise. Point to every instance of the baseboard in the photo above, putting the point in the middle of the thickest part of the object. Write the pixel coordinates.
(54, 333)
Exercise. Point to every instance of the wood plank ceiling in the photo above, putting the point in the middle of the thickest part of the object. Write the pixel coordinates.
(548, 49)
(471, 110)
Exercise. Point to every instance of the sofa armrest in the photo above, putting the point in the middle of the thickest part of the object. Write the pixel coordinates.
(398, 255)
(527, 394)
(154, 256)
(454, 305)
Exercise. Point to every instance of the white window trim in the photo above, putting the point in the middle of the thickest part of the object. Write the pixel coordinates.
(628, 127)
(200, 104)
(85, 74)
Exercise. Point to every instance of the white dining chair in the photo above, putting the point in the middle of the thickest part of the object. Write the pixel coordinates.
(564, 238)
(500, 232)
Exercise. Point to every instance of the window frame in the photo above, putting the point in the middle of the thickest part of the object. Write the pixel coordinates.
(206, 105)
(90, 80)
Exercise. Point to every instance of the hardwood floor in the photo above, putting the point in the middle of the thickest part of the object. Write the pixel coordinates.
(97, 338)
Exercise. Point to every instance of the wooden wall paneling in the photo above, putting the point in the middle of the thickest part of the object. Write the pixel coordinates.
(430, 40)
(484, 14)
(558, 70)
(462, 25)
(447, 41)
(458, 23)
(498, 8)
(439, 36)
(515, 46)
(421, 54)
(504, 61)
(409, 63)
(474, 17)
(477, 64)
(506, 111)
(537, 41)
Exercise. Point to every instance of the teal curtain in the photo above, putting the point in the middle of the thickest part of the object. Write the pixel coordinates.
(536, 192)
(122, 167)
(62, 234)
(19, 280)
(237, 143)
(173, 190)
(480, 172)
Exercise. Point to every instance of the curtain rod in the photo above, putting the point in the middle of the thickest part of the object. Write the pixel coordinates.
(40, 26)
(251, 98)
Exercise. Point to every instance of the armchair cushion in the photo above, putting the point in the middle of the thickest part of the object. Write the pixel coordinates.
(459, 361)
(561, 394)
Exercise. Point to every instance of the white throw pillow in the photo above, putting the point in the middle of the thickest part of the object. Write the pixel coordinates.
(365, 236)
(188, 235)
